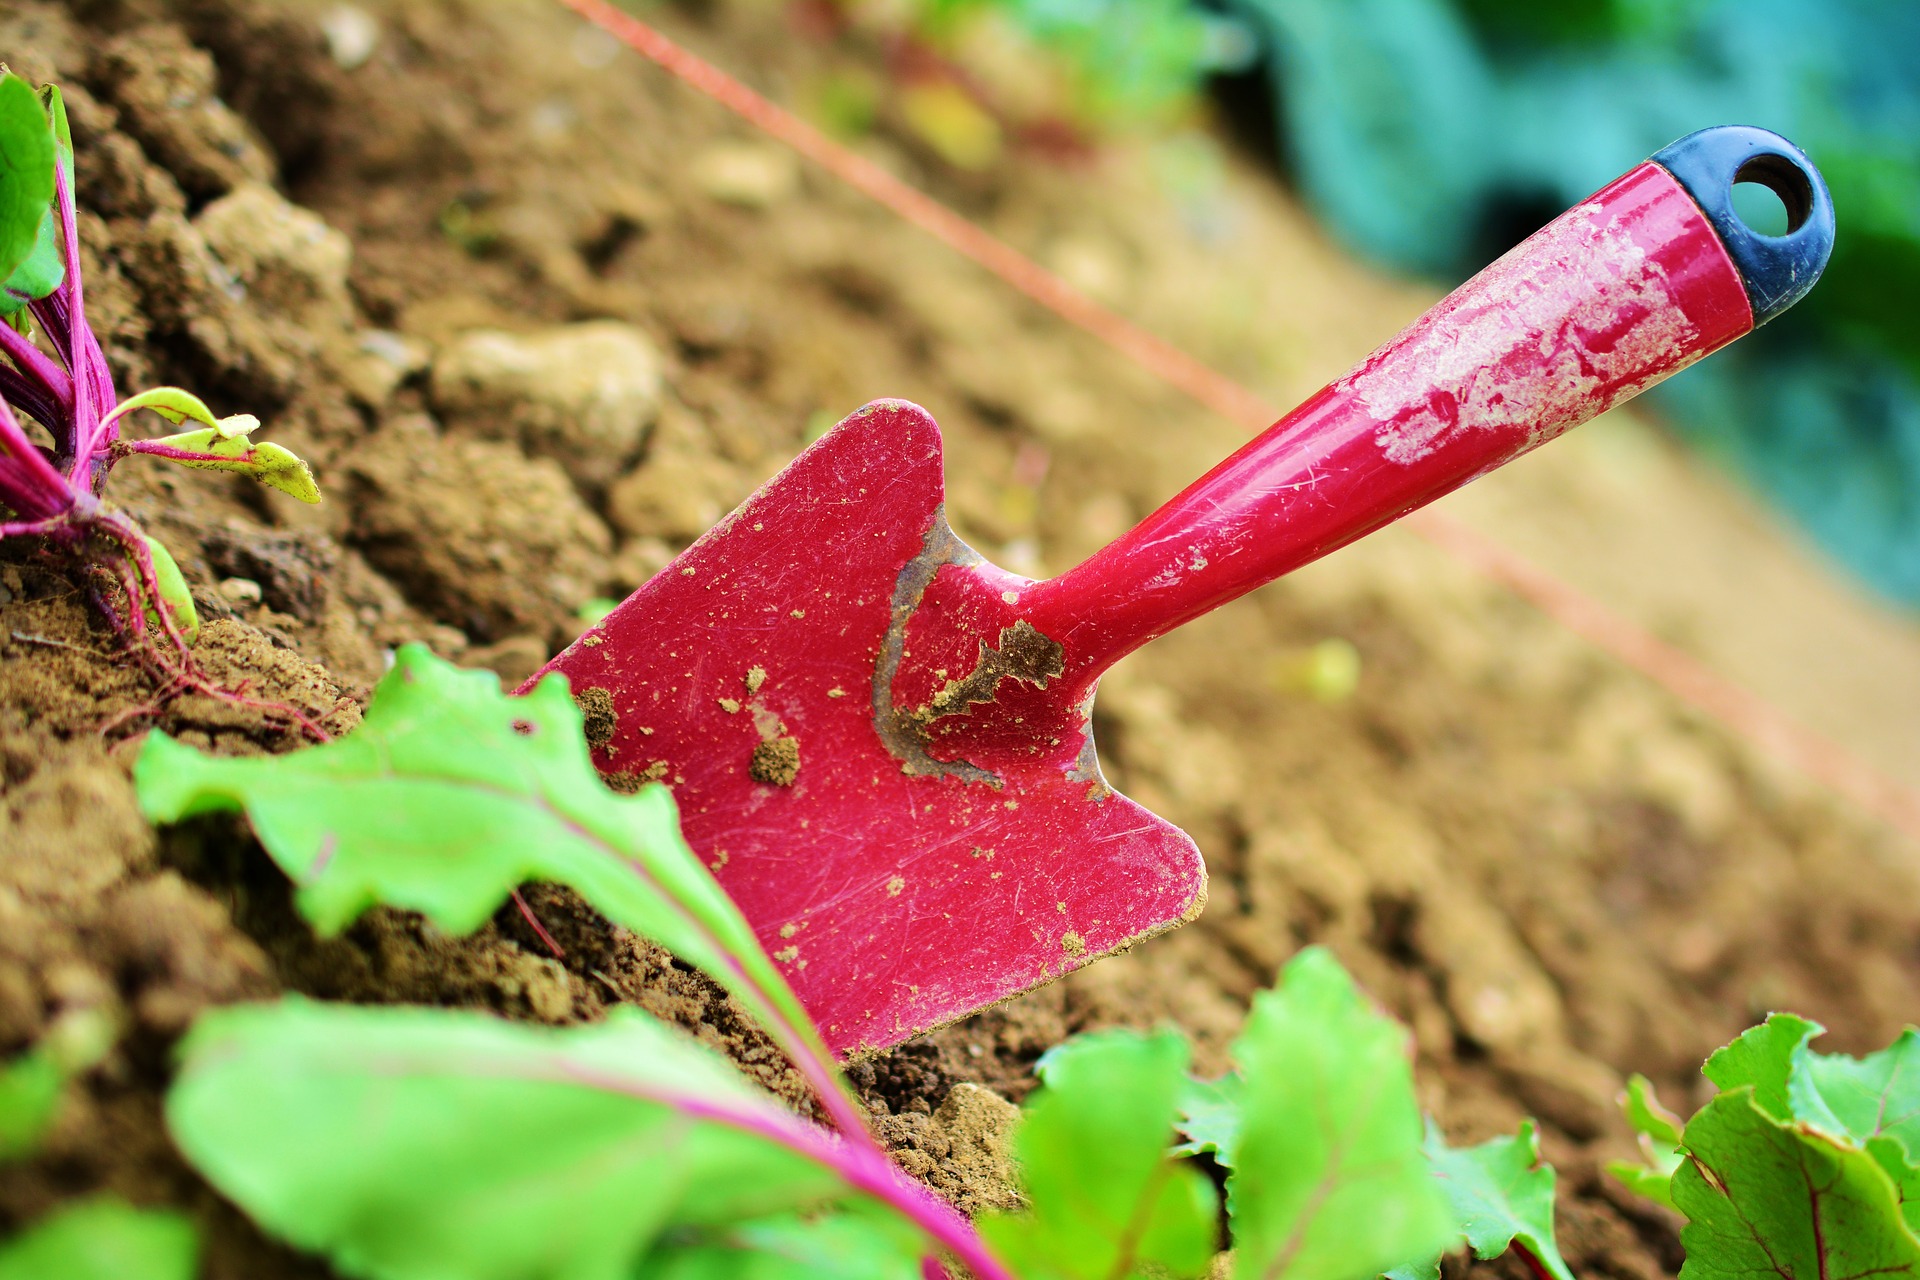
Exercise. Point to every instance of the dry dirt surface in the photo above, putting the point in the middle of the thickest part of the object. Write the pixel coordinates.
(419, 269)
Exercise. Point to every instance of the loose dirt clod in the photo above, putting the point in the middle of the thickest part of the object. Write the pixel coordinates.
(596, 707)
(776, 761)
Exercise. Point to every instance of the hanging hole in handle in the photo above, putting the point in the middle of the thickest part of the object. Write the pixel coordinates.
(1772, 196)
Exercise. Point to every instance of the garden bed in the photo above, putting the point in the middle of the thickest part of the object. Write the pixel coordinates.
(418, 268)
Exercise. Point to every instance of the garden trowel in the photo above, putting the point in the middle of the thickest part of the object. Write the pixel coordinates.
(880, 742)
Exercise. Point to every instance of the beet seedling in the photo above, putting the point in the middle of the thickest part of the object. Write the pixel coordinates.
(54, 494)
(416, 1143)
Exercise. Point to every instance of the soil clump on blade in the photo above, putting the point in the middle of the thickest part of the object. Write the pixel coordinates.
(405, 261)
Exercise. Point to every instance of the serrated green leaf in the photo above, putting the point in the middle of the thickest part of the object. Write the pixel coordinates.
(39, 273)
(448, 796)
(850, 1245)
(1861, 1098)
(26, 171)
(271, 465)
(1659, 1133)
(1500, 1192)
(1210, 1116)
(1771, 1197)
(1105, 1200)
(1892, 1157)
(1761, 1058)
(1647, 1115)
(1328, 1180)
(420, 1144)
(29, 1095)
(102, 1240)
(171, 585)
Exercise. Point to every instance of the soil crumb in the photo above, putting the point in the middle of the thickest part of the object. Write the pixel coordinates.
(596, 707)
(776, 762)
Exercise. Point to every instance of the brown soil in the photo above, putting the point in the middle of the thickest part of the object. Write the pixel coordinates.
(1549, 870)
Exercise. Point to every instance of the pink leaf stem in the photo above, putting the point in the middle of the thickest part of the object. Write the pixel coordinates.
(159, 450)
(29, 485)
(38, 367)
(864, 1168)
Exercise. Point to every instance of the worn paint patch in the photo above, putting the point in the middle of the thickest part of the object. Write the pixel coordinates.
(1517, 347)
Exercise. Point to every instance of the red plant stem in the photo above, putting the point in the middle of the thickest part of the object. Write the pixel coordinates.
(36, 365)
(29, 485)
(533, 921)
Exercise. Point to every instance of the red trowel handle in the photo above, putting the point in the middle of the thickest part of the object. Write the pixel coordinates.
(1635, 283)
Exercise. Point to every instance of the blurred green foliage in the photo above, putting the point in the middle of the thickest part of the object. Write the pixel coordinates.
(1433, 134)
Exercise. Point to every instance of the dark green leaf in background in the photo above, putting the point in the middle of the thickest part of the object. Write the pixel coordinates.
(102, 1240)
(1106, 1201)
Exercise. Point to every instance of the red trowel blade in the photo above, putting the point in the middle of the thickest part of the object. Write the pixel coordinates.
(895, 896)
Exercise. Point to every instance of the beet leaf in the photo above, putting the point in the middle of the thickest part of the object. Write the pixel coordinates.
(1659, 1133)
(1862, 1098)
(1105, 1198)
(1761, 1058)
(1501, 1194)
(416, 1144)
(26, 173)
(1777, 1197)
(448, 796)
(1328, 1180)
(102, 1240)
(29, 1093)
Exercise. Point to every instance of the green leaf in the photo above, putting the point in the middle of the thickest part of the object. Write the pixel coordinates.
(29, 1095)
(421, 1144)
(1647, 1116)
(55, 108)
(102, 1240)
(271, 465)
(448, 796)
(1092, 1149)
(851, 1245)
(1861, 1098)
(26, 171)
(172, 403)
(1328, 1180)
(1210, 1116)
(1500, 1192)
(1769, 1197)
(1762, 1058)
(174, 596)
(1659, 1133)
(39, 273)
